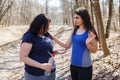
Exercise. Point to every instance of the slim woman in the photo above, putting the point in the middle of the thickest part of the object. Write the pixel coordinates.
(83, 40)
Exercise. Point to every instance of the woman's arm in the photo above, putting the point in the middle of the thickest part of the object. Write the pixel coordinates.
(24, 52)
(66, 45)
(60, 51)
(91, 42)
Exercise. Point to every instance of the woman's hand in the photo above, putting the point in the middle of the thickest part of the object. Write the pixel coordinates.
(60, 51)
(91, 42)
(91, 36)
(46, 66)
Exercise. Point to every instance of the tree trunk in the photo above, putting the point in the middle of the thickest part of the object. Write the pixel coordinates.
(119, 14)
(76, 3)
(2, 13)
(109, 19)
(72, 11)
(92, 16)
(46, 8)
(0, 6)
(87, 4)
(91, 5)
(66, 6)
(101, 27)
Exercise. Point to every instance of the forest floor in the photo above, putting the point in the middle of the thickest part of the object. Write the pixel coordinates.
(104, 68)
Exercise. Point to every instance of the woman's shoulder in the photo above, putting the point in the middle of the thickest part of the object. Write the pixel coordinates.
(28, 35)
(91, 33)
(48, 35)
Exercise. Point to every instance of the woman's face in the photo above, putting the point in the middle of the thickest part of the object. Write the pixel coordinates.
(77, 20)
(44, 29)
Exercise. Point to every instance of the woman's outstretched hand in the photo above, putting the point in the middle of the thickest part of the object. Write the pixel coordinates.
(60, 51)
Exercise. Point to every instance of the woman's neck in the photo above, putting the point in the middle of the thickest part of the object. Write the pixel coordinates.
(41, 35)
(81, 30)
(81, 27)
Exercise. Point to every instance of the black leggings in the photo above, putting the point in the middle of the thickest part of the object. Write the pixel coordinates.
(81, 73)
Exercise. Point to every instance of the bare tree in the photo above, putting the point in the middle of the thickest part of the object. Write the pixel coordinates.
(109, 19)
(101, 27)
(46, 7)
(0, 5)
(87, 4)
(72, 10)
(3, 12)
(26, 11)
(91, 6)
(66, 9)
(76, 3)
(79, 3)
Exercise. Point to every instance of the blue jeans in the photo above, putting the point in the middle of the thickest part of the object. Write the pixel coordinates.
(28, 76)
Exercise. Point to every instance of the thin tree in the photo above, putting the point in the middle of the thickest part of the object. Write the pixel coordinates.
(86, 4)
(92, 16)
(46, 7)
(101, 27)
(66, 8)
(91, 6)
(109, 19)
(0, 6)
(76, 3)
(3, 12)
(72, 10)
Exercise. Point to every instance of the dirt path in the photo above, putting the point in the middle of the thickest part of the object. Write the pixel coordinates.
(10, 67)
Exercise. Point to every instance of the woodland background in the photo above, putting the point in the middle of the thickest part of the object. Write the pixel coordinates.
(16, 16)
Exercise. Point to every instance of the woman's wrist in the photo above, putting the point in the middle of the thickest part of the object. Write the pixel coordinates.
(53, 38)
(60, 51)
(55, 52)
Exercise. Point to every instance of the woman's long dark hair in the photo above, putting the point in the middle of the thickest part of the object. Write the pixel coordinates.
(83, 13)
(38, 25)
